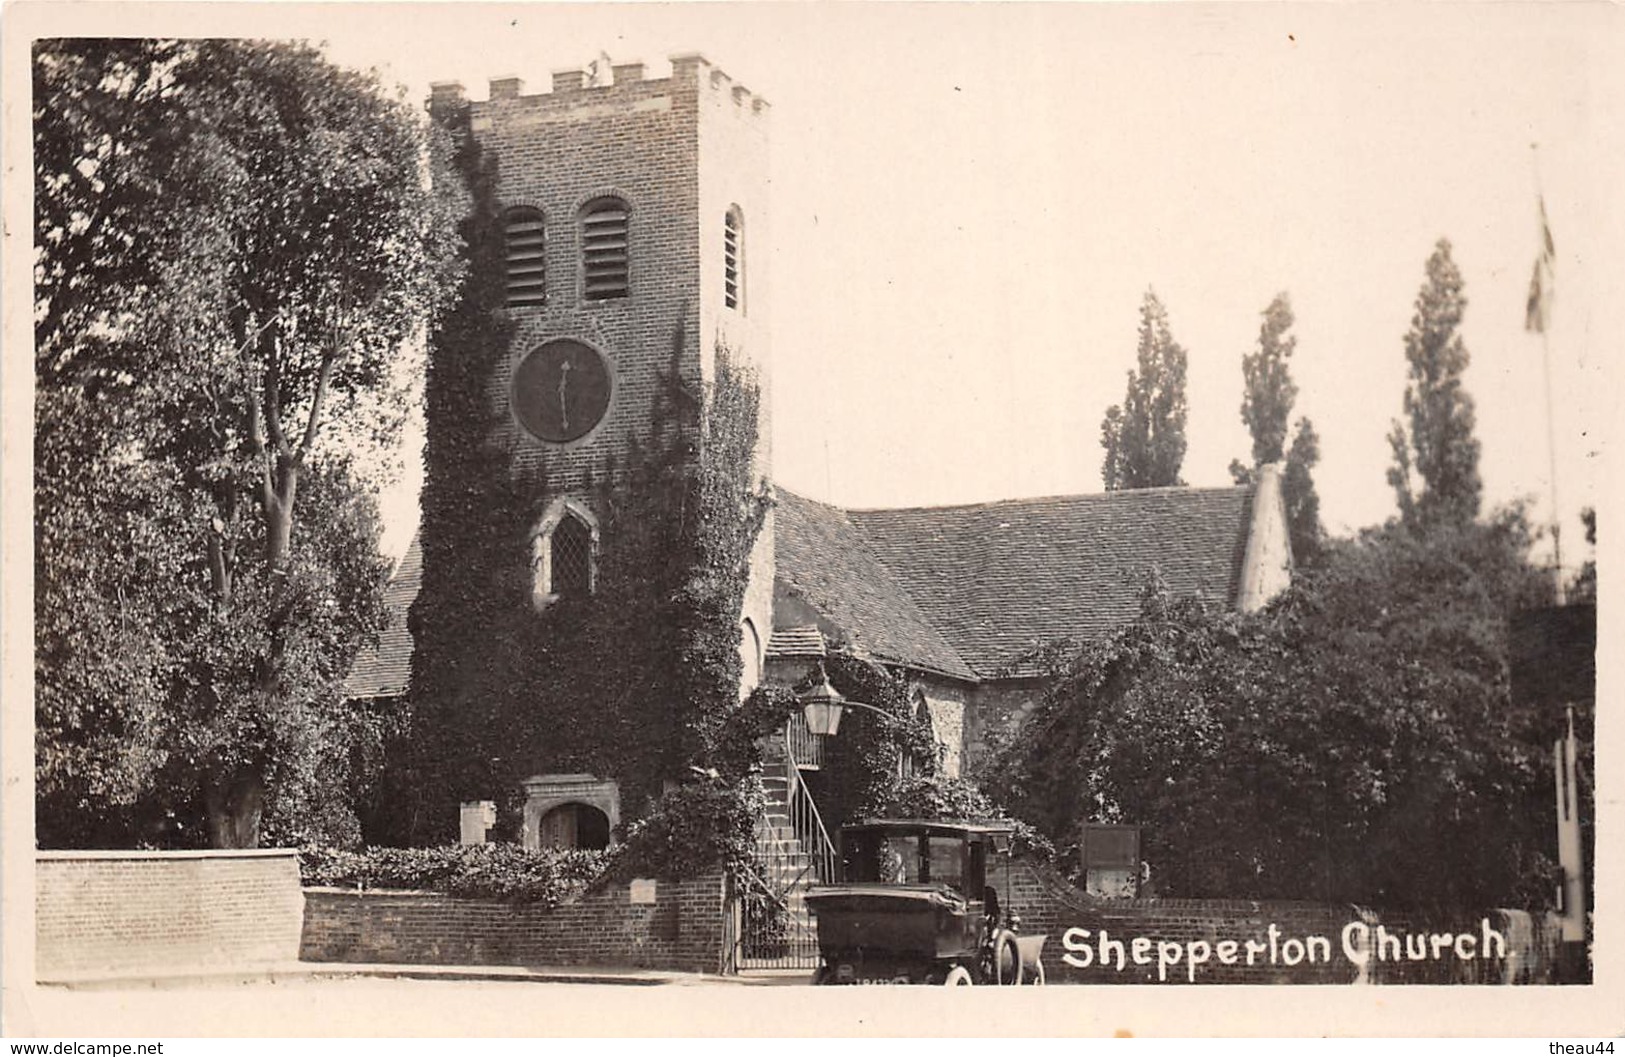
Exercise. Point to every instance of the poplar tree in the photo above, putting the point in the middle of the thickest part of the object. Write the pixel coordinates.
(1266, 408)
(1437, 441)
(1144, 437)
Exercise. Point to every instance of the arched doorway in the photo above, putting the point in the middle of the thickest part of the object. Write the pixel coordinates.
(574, 825)
(580, 811)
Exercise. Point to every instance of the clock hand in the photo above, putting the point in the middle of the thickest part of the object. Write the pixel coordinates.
(564, 405)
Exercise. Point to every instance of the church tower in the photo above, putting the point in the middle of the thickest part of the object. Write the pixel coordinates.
(633, 218)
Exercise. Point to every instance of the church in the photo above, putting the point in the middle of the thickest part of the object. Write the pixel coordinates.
(632, 208)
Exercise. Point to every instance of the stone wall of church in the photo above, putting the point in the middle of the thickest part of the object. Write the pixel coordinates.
(948, 704)
(996, 711)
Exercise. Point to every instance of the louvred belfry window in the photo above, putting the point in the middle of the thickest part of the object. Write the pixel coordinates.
(604, 249)
(730, 259)
(523, 245)
(571, 559)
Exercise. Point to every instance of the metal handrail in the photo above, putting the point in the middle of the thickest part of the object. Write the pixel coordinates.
(804, 817)
(807, 748)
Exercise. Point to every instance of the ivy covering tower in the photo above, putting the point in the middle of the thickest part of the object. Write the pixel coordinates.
(596, 582)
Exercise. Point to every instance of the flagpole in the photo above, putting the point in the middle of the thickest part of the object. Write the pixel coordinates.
(1551, 452)
(1546, 294)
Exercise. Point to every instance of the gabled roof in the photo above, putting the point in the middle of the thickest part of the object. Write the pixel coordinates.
(827, 561)
(384, 670)
(984, 584)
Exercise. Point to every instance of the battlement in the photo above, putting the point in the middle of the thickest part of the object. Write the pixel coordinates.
(621, 82)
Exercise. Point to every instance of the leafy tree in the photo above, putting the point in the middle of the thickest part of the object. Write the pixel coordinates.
(1356, 741)
(1438, 442)
(1266, 403)
(1144, 437)
(1583, 588)
(1266, 407)
(1298, 492)
(234, 239)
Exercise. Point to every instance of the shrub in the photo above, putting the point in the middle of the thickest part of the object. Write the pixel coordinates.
(693, 830)
(479, 871)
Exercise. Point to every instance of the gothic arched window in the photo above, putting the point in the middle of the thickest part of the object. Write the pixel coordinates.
(572, 558)
(564, 553)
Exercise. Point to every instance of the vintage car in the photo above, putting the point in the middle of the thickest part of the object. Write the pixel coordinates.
(914, 906)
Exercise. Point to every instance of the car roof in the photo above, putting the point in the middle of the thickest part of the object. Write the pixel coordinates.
(933, 827)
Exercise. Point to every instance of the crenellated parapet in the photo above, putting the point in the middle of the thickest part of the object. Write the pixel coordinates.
(623, 83)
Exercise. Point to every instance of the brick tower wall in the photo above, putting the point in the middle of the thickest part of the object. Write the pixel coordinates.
(681, 152)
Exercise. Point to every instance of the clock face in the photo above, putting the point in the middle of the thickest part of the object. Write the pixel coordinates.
(561, 391)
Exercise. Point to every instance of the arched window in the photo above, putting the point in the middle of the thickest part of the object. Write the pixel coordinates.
(733, 260)
(564, 553)
(750, 658)
(523, 247)
(605, 250)
(572, 558)
(908, 765)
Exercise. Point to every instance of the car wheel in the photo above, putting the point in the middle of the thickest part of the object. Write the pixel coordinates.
(958, 976)
(1006, 959)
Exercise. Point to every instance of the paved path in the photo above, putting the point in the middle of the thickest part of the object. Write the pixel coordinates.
(295, 972)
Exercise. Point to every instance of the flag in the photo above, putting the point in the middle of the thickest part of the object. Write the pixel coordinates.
(1538, 311)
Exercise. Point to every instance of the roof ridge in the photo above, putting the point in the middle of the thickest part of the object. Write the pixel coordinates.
(1113, 496)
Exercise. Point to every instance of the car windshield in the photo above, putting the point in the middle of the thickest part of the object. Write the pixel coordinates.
(896, 858)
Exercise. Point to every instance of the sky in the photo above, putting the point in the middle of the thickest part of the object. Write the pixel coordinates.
(970, 201)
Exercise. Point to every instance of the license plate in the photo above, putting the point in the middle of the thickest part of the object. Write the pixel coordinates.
(847, 974)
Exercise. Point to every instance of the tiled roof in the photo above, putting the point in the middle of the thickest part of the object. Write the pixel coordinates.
(826, 560)
(805, 641)
(961, 590)
(384, 670)
(996, 579)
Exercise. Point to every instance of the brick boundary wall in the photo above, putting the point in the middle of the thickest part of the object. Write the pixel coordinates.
(683, 930)
(107, 911)
(1048, 904)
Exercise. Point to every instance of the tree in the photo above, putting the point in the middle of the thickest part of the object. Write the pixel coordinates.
(1355, 742)
(1266, 407)
(1583, 588)
(234, 241)
(1438, 443)
(1298, 492)
(1144, 437)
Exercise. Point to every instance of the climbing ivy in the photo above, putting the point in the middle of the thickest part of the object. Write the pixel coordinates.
(864, 764)
(635, 681)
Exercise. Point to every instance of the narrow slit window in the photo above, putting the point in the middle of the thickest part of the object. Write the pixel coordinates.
(524, 248)
(731, 263)
(604, 249)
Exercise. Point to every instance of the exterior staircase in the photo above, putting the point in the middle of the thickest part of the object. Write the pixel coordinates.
(787, 866)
